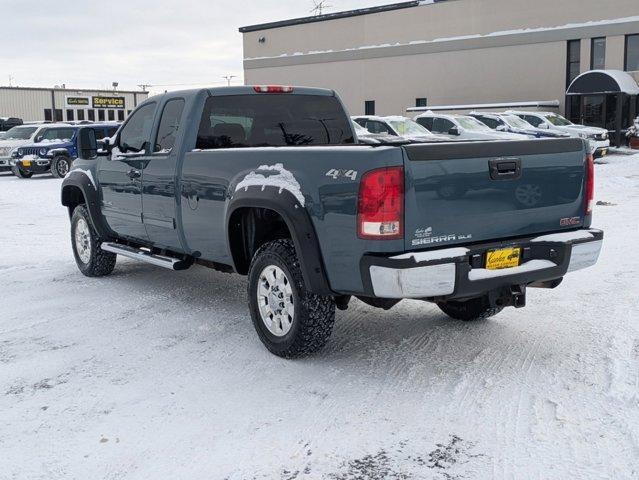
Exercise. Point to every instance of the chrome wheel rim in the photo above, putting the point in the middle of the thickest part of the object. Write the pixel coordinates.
(83, 241)
(275, 300)
(62, 166)
(528, 195)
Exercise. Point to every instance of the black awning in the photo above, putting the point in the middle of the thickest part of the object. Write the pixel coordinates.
(603, 81)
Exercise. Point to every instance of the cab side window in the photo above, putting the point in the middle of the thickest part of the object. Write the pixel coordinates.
(442, 125)
(378, 127)
(169, 125)
(135, 135)
(491, 122)
(426, 122)
(534, 121)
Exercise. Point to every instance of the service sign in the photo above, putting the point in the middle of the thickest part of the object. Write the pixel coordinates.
(108, 102)
(77, 101)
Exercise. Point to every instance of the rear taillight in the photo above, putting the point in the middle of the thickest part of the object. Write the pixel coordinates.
(590, 183)
(272, 89)
(380, 211)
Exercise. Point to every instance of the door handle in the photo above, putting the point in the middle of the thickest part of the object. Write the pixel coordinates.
(133, 174)
(505, 168)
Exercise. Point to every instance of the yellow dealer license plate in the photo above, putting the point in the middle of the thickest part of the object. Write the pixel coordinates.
(26, 163)
(503, 258)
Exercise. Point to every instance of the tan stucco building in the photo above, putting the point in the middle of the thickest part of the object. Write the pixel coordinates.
(447, 52)
(68, 104)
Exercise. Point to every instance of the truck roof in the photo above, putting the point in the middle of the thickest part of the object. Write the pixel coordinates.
(246, 90)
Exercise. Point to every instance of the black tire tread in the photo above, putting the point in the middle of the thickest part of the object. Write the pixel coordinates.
(54, 165)
(316, 316)
(102, 263)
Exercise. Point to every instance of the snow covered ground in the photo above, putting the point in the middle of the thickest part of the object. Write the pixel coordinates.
(149, 374)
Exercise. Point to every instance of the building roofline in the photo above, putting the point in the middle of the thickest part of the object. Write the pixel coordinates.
(72, 90)
(333, 16)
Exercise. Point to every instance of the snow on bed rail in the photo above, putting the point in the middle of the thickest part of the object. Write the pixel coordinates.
(279, 177)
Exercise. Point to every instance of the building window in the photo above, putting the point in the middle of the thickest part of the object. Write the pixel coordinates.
(111, 114)
(48, 115)
(92, 115)
(80, 115)
(421, 102)
(58, 114)
(598, 53)
(70, 116)
(369, 107)
(632, 53)
(101, 115)
(121, 115)
(573, 66)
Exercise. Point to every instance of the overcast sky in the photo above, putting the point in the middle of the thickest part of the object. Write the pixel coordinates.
(88, 44)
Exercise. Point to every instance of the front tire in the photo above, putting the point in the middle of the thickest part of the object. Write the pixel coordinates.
(89, 256)
(18, 172)
(469, 310)
(289, 320)
(60, 166)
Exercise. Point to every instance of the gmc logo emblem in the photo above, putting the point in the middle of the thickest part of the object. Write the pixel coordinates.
(570, 222)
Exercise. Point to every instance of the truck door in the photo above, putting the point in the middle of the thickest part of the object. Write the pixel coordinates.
(158, 179)
(120, 175)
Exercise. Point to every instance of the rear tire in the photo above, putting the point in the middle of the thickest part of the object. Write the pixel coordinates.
(89, 256)
(469, 310)
(21, 173)
(60, 166)
(289, 320)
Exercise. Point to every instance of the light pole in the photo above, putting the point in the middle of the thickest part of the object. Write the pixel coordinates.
(228, 79)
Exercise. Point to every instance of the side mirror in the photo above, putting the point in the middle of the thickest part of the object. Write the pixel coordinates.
(543, 126)
(501, 128)
(87, 144)
(454, 131)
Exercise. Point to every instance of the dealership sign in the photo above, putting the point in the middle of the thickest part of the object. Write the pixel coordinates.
(96, 102)
(78, 101)
(108, 102)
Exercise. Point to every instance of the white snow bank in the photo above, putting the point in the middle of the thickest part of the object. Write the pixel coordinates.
(278, 177)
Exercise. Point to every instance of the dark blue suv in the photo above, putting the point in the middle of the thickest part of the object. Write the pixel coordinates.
(54, 149)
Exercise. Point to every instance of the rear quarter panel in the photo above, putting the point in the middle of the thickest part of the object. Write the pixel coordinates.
(328, 179)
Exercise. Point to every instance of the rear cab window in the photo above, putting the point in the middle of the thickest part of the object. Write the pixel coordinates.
(273, 120)
(55, 135)
(169, 126)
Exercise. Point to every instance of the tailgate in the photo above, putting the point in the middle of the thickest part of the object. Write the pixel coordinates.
(460, 193)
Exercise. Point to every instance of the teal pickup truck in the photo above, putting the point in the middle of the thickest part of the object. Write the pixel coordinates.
(271, 182)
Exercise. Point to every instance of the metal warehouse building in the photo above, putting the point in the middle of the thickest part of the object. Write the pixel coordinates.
(65, 104)
(385, 59)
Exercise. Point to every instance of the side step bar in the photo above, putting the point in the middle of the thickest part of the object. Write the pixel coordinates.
(137, 254)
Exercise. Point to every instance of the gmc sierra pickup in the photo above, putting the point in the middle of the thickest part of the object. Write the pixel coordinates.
(271, 182)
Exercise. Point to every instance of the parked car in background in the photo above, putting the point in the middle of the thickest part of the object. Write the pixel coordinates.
(366, 137)
(507, 122)
(14, 138)
(7, 123)
(397, 126)
(54, 149)
(318, 219)
(463, 127)
(597, 137)
(633, 135)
